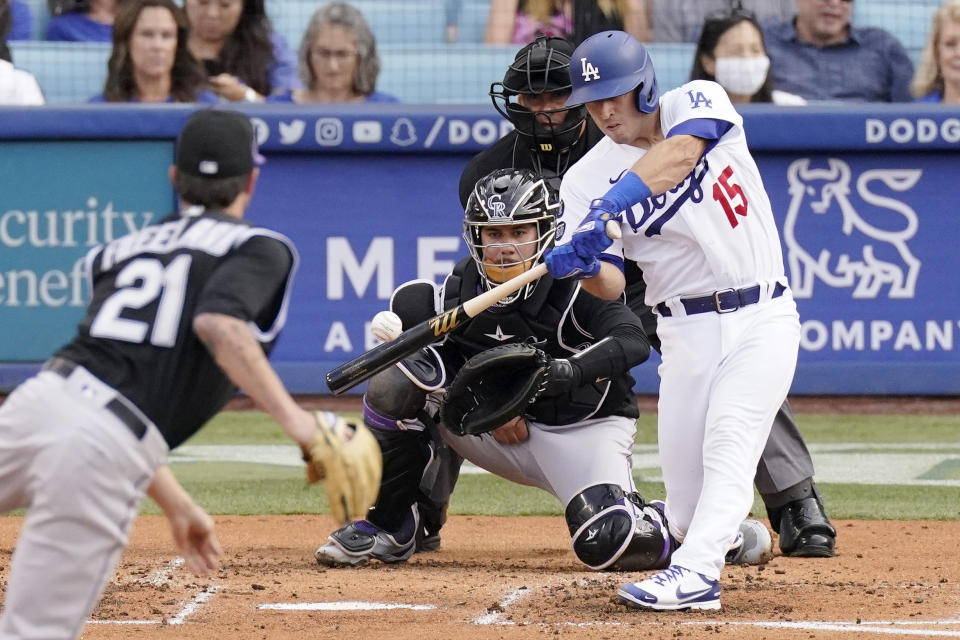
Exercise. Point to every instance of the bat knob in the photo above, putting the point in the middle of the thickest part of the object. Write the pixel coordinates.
(613, 230)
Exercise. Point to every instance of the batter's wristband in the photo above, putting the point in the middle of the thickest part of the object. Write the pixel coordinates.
(628, 191)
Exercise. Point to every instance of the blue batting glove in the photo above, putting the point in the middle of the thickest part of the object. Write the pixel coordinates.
(606, 209)
(564, 262)
(590, 239)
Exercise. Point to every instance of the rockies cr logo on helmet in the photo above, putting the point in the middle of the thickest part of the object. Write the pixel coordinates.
(496, 206)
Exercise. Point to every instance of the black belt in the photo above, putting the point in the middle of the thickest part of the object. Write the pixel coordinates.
(120, 407)
(723, 301)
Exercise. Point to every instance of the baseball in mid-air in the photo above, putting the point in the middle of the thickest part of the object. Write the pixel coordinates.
(386, 326)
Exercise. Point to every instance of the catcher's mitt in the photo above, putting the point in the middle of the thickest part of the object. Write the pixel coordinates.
(494, 387)
(346, 456)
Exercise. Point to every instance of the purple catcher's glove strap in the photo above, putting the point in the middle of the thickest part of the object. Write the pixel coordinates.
(563, 262)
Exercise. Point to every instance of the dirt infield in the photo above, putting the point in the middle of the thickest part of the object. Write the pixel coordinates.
(514, 579)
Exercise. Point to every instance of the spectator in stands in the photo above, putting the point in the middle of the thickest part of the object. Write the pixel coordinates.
(451, 18)
(819, 55)
(21, 17)
(150, 61)
(938, 76)
(245, 59)
(594, 16)
(521, 21)
(17, 87)
(682, 20)
(82, 20)
(338, 59)
(731, 52)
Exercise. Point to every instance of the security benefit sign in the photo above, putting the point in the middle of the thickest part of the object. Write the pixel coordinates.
(871, 251)
(57, 200)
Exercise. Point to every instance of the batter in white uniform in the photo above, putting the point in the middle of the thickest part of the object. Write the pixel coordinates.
(676, 172)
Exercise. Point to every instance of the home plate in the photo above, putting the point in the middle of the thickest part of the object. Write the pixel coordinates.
(342, 606)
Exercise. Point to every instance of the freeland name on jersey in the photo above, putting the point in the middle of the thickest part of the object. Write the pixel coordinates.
(203, 234)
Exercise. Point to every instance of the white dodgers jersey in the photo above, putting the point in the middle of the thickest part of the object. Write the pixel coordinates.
(713, 231)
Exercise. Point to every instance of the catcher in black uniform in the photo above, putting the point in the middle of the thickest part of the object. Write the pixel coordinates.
(585, 403)
(549, 138)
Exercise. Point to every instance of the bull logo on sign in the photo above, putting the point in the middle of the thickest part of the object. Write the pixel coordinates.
(828, 238)
(496, 206)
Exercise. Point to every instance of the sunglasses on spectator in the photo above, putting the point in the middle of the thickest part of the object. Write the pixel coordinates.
(340, 55)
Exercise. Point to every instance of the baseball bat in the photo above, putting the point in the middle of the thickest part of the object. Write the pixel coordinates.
(368, 364)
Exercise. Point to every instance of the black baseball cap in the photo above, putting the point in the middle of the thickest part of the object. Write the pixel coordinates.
(217, 143)
(541, 66)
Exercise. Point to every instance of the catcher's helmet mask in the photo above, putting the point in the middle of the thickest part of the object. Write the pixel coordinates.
(541, 67)
(613, 63)
(508, 197)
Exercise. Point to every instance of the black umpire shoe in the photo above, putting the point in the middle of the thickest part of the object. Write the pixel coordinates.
(805, 531)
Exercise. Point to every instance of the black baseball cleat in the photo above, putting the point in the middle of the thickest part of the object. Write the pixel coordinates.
(805, 530)
(427, 541)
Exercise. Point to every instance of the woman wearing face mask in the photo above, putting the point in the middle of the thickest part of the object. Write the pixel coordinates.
(731, 52)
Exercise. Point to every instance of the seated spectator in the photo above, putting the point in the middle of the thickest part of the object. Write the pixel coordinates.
(594, 16)
(681, 20)
(17, 87)
(150, 61)
(338, 59)
(245, 59)
(21, 27)
(82, 21)
(819, 55)
(521, 21)
(731, 52)
(451, 20)
(938, 76)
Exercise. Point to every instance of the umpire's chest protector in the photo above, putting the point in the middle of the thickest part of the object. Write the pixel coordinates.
(545, 315)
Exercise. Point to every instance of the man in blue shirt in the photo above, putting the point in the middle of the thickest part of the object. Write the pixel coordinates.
(820, 56)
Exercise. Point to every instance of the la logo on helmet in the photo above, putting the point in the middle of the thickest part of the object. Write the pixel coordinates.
(589, 71)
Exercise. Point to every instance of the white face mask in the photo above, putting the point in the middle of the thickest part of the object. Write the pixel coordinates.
(742, 76)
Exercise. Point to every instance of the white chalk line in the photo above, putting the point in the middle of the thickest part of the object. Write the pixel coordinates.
(493, 617)
(343, 606)
(191, 607)
(889, 627)
(159, 578)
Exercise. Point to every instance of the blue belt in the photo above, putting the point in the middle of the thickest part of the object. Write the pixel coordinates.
(118, 406)
(723, 301)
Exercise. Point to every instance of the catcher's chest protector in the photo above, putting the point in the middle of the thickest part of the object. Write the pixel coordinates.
(535, 317)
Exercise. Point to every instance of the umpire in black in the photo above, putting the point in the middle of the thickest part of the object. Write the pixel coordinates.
(549, 138)
(182, 313)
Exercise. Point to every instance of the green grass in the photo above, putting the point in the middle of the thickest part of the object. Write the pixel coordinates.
(240, 488)
(830, 428)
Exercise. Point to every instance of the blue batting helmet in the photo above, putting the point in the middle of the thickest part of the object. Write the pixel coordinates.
(609, 64)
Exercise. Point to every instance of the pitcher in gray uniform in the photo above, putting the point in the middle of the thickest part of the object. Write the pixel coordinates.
(181, 313)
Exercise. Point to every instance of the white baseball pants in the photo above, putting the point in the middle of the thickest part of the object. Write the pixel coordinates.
(560, 460)
(81, 474)
(722, 379)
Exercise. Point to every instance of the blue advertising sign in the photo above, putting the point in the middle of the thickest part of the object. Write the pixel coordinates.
(57, 201)
(865, 200)
(867, 248)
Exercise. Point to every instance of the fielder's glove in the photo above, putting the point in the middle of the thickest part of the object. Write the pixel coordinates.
(499, 384)
(346, 456)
